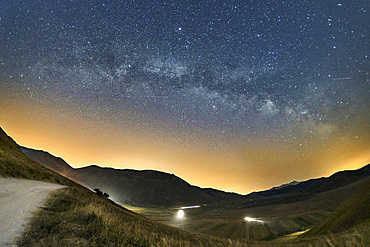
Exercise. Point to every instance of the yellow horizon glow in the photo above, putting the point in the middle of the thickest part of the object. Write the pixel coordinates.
(241, 168)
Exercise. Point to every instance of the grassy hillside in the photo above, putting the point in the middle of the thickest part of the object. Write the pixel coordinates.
(13, 163)
(354, 212)
(78, 217)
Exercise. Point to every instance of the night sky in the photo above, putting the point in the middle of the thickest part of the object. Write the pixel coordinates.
(235, 95)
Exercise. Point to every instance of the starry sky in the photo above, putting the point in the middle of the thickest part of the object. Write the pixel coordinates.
(234, 95)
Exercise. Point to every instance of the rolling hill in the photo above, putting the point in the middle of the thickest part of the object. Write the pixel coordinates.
(14, 163)
(154, 188)
(315, 186)
(151, 188)
(147, 187)
(54, 163)
(351, 214)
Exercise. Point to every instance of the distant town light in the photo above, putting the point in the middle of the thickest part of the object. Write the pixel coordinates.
(252, 220)
(190, 207)
(180, 214)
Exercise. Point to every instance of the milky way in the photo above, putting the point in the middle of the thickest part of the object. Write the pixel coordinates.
(245, 71)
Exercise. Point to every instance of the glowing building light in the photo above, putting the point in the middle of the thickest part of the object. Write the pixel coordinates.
(190, 207)
(252, 220)
(180, 214)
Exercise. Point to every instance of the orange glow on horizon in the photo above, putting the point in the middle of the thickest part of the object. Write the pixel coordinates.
(241, 168)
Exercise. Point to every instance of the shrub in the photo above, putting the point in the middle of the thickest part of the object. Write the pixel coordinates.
(98, 192)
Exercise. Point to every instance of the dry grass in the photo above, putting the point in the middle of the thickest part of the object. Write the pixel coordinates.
(358, 236)
(13, 163)
(353, 212)
(77, 217)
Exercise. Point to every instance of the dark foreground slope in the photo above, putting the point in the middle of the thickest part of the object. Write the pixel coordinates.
(13, 163)
(353, 213)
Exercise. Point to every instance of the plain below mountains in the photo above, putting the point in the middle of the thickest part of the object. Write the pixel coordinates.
(154, 188)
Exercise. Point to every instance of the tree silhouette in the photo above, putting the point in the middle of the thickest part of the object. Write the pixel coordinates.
(98, 192)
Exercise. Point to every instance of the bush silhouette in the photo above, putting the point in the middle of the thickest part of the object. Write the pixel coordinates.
(106, 195)
(98, 192)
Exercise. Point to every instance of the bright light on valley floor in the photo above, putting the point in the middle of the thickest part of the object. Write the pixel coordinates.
(248, 219)
(190, 207)
(180, 214)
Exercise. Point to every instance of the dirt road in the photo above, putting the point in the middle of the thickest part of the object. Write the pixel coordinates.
(18, 199)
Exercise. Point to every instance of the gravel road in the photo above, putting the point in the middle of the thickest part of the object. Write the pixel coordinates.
(18, 199)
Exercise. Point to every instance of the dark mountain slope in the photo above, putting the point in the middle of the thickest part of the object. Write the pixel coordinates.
(318, 185)
(284, 185)
(352, 213)
(135, 187)
(148, 187)
(156, 188)
(14, 163)
(44, 158)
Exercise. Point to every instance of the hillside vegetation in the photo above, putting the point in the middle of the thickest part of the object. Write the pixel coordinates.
(354, 212)
(13, 163)
(78, 217)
